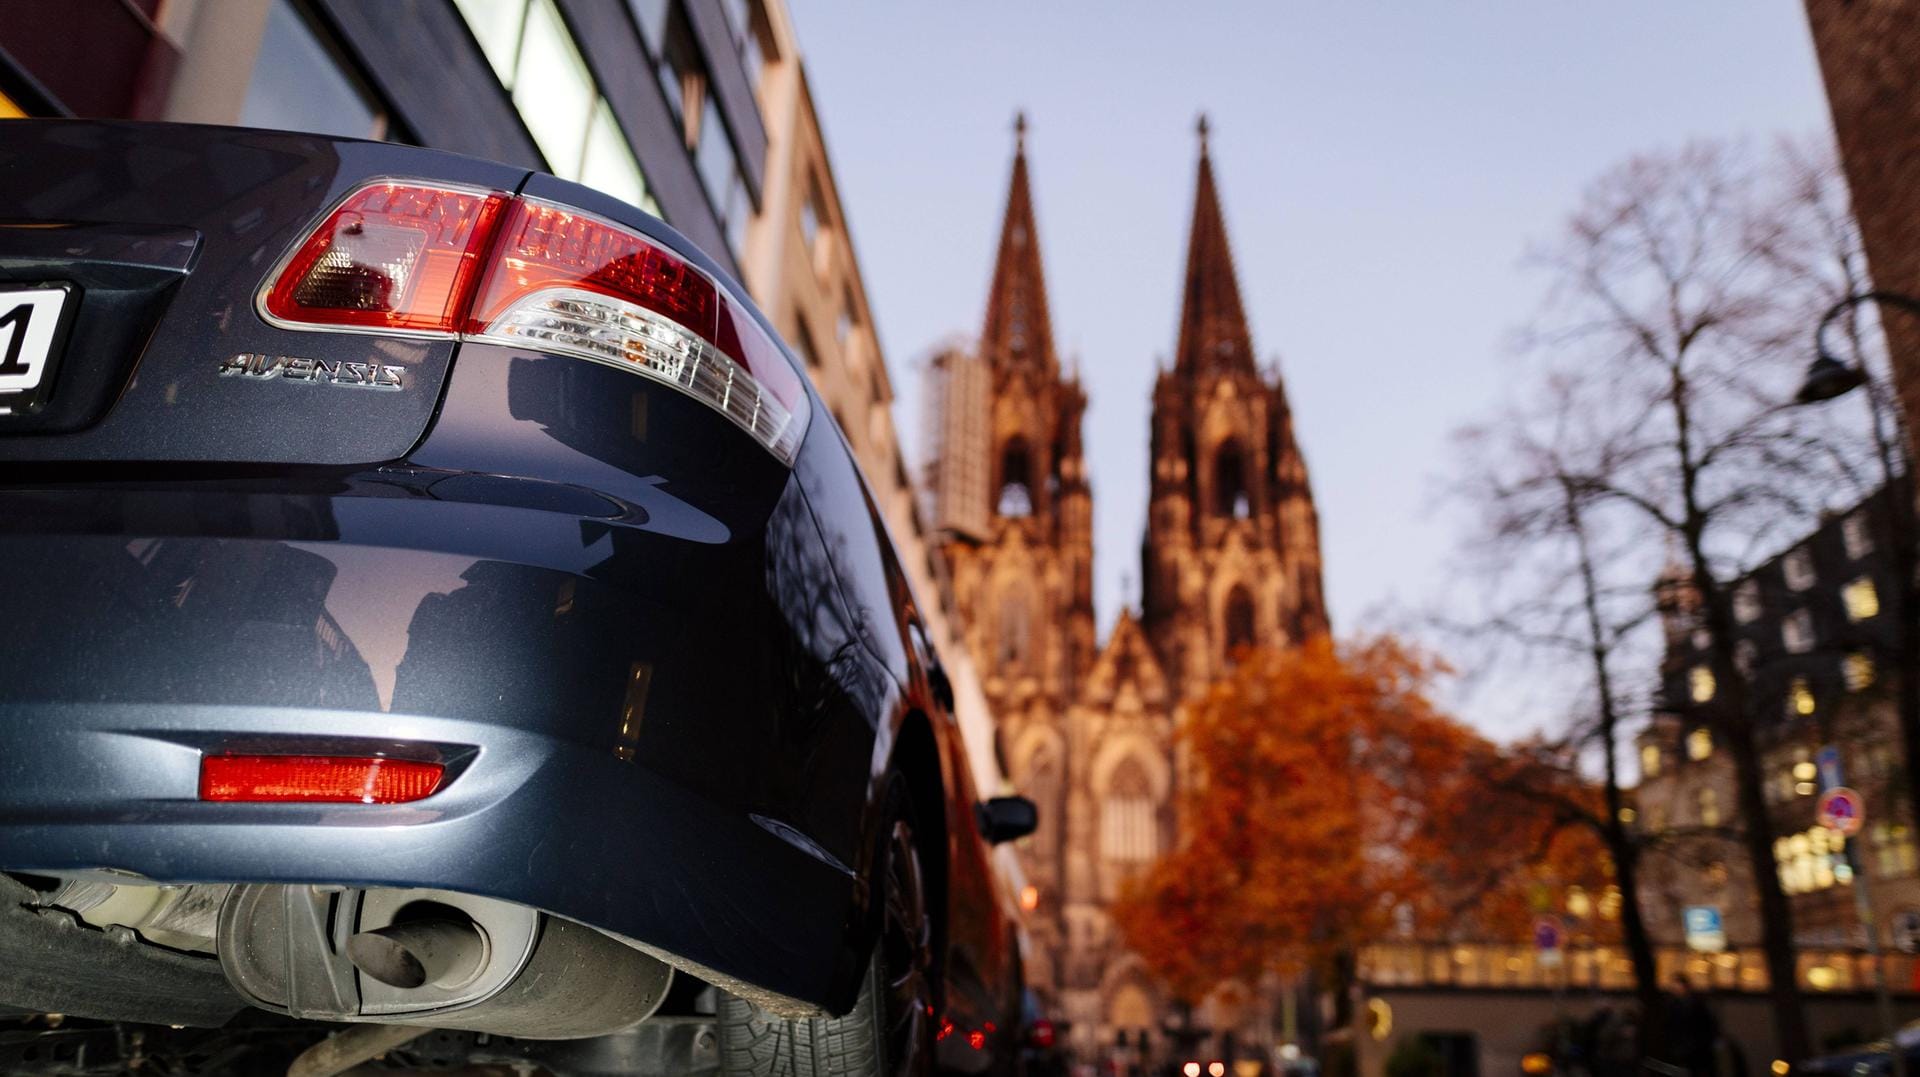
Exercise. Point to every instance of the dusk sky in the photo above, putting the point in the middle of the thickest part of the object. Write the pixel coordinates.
(1384, 168)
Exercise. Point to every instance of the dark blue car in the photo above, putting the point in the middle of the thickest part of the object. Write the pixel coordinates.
(434, 599)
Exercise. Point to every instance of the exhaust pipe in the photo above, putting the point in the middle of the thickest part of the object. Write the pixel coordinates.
(432, 958)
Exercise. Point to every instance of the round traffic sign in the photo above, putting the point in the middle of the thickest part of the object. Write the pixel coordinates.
(1841, 809)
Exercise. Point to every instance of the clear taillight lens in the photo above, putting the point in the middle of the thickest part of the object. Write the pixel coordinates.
(393, 256)
(427, 259)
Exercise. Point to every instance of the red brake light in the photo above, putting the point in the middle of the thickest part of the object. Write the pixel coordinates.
(398, 256)
(331, 779)
(1041, 1034)
(568, 282)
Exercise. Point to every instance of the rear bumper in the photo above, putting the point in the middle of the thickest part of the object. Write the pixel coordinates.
(614, 757)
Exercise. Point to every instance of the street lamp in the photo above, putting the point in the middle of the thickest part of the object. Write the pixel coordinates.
(1829, 377)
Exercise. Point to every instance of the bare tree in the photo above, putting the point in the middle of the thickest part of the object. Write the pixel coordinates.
(1683, 292)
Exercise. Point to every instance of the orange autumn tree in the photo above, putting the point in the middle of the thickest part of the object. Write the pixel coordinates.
(1327, 801)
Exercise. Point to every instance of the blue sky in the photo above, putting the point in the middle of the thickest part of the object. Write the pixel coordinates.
(1383, 167)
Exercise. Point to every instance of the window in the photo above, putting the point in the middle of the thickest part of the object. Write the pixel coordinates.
(1699, 744)
(1230, 482)
(1238, 620)
(1129, 832)
(1797, 567)
(298, 84)
(1857, 669)
(814, 219)
(1862, 601)
(1800, 701)
(574, 127)
(1856, 532)
(1893, 849)
(1745, 653)
(1700, 684)
(1016, 481)
(1709, 802)
(1649, 760)
(1016, 628)
(1746, 601)
(803, 343)
(849, 318)
(1797, 632)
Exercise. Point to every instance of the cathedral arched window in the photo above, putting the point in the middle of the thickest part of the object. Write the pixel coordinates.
(1129, 830)
(1042, 785)
(1016, 480)
(1230, 482)
(1016, 630)
(1237, 619)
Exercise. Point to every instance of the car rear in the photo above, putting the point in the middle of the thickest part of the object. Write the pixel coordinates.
(390, 539)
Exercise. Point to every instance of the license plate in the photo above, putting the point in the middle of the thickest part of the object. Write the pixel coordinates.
(32, 323)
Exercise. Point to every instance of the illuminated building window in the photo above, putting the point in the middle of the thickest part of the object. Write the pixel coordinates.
(1858, 671)
(1796, 631)
(1709, 807)
(1649, 760)
(1800, 699)
(1857, 533)
(1797, 567)
(1746, 601)
(1862, 601)
(1699, 744)
(1893, 849)
(1700, 684)
(1810, 860)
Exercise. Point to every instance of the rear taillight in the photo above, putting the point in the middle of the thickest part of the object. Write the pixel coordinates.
(326, 779)
(420, 258)
(393, 256)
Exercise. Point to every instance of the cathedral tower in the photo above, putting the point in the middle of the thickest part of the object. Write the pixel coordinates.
(1019, 545)
(1232, 552)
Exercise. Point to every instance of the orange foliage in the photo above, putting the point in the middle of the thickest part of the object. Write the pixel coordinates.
(1327, 802)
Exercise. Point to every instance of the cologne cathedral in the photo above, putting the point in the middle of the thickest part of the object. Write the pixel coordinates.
(1230, 557)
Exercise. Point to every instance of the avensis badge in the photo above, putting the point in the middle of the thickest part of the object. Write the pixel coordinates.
(316, 371)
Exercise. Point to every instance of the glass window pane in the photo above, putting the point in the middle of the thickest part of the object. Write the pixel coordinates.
(715, 155)
(553, 90)
(297, 84)
(496, 25)
(609, 164)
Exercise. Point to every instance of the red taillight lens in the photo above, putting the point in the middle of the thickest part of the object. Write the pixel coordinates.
(1041, 1034)
(334, 779)
(428, 259)
(397, 256)
(564, 281)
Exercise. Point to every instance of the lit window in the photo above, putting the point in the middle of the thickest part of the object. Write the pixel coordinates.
(1857, 533)
(553, 91)
(1797, 567)
(1796, 631)
(1709, 807)
(1805, 771)
(1858, 670)
(1700, 684)
(1893, 849)
(1649, 760)
(1699, 744)
(1628, 815)
(1861, 599)
(1800, 699)
(1746, 601)
(496, 25)
(609, 164)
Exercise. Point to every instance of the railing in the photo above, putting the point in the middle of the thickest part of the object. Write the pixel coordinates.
(1607, 968)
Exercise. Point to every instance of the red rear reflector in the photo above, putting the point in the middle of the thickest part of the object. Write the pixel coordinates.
(397, 256)
(334, 779)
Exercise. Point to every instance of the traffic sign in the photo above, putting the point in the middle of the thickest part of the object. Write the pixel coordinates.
(1841, 809)
(1705, 932)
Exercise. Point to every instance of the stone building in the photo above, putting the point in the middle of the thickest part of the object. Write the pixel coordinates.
(1231, 558)
(1815, 628)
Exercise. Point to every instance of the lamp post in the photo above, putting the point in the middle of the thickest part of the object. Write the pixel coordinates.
(1829, 377)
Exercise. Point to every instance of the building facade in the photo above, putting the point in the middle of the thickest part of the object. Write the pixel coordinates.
(1815, 627)
(1230, 559)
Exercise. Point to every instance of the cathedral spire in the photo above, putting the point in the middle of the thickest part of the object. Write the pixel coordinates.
(1213, 325)
(1017, 329)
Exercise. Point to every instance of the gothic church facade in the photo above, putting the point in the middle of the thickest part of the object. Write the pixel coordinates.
(1231, 557)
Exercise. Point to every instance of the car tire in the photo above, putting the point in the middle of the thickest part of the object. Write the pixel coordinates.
(888, 1033)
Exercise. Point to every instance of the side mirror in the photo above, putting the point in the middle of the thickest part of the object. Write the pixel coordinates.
(1003, 819)
(942, 687)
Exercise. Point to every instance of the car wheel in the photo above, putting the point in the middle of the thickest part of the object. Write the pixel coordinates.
(888, 1033)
